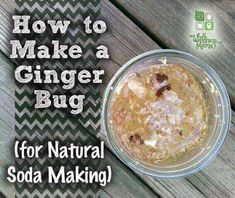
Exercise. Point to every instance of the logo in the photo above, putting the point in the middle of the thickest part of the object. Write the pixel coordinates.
(204, 21)
(204, 27)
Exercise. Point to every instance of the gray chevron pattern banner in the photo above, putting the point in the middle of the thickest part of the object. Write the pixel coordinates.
(41, 125)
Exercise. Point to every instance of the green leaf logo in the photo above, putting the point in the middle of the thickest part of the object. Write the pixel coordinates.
(199, 15)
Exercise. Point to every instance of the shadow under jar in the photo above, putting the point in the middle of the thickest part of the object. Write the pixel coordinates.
(166, 113)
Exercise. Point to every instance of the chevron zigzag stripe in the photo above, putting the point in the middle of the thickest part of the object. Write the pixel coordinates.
(40, 125)
(57, 193)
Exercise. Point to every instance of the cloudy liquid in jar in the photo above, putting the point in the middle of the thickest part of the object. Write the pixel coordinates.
(159, 113)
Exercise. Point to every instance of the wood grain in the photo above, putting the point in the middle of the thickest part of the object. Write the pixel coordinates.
(125, 40)
(208, 182)
(171, 23)
(7, 136)
(7, 133)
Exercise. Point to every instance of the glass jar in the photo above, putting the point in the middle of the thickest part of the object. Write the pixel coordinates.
(217, 101)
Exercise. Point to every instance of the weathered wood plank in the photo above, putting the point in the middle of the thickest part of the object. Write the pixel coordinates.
(7, 123)
(171, 23)
(208, 182)
(121, 52)
(7, 135)
(6, 25)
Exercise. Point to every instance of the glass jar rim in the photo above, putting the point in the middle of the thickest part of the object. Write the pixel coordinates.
(226, 114)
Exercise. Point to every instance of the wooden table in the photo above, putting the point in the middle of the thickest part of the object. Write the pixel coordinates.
(137, 26)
